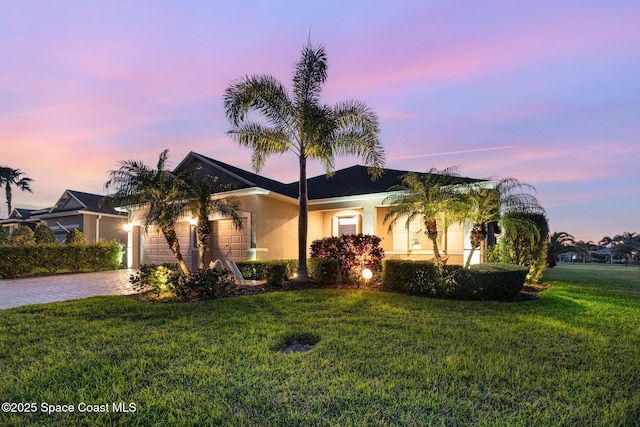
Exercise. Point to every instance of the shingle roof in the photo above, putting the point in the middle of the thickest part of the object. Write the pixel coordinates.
(256, 180)
(355, 180)
(90, 201)
(21, 213)
(351, 181)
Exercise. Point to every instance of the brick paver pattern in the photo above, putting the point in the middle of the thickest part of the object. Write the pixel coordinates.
(36, 290)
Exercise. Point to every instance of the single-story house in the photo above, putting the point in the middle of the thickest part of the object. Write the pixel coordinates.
(347, 202)
(74, 210)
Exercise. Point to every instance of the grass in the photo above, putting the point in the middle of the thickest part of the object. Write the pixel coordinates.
(568, 358)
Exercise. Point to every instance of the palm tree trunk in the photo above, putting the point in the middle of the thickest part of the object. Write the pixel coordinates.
(432, 233)
(303, 222)
(478, 234)
(172, 239)
(9, 197)
(203, 234)
(436, 251)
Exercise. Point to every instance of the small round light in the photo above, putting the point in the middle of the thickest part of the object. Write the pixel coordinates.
(367, 274)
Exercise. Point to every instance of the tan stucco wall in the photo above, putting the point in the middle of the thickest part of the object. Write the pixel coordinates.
(275, 224)
(111, 228)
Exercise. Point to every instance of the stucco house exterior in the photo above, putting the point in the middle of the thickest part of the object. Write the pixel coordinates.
(74, 210)
(347, 202)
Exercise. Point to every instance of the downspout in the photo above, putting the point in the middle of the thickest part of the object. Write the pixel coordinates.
(98, 228)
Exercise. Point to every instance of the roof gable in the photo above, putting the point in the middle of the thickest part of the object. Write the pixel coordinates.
(237, 177)
(72, 200)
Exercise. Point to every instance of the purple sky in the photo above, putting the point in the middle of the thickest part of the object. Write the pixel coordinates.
(547, 92)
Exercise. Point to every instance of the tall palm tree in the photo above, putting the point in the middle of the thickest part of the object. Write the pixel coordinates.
(487, 203)
(13, 177)
(158, 190)
(202, 205)
(298, 123)
(430, 198)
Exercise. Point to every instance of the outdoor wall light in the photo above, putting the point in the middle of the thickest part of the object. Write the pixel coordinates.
(193, 221)
(127, 227)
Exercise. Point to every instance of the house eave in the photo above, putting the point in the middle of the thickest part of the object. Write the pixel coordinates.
(76, 212)
(354, 198)
(256, 191)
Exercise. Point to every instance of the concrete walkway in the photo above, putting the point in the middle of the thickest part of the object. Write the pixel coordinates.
(36, 290)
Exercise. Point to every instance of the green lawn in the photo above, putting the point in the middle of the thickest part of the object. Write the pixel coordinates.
(571, 357)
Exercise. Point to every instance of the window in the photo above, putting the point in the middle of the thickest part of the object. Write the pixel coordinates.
(348, 225)
(346, 222)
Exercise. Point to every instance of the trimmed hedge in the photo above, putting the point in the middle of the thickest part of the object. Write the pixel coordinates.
(481, 282)
(17, 261)
(276, 272)
(324, 270)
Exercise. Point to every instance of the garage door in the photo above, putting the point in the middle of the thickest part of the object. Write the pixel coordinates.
(226, 241)
(155, 250)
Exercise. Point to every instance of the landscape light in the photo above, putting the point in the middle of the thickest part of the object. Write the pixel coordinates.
(367, 274)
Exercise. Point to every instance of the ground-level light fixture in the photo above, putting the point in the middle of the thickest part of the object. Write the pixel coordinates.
(367, 274)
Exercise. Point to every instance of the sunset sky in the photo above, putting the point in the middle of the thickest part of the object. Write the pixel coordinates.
(547, 92)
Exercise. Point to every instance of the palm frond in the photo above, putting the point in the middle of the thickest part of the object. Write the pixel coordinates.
(262, 93)
(263, 141)
(310, 73)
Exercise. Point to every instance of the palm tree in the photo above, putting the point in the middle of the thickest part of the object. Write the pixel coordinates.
(298, 123)
(202, 205)
(584, 249)
(559, 242)
(158, 190)
(623, 245)
(430, 198)
(9, 177)
(486, 204)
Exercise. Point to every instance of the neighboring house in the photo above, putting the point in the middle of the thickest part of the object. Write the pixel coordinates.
(20, 216)
(74, 210)
(347, 202)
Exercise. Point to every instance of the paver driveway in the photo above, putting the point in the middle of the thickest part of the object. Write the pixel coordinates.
(36, 290)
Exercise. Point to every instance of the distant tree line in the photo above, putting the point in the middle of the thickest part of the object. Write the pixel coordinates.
(624, 247)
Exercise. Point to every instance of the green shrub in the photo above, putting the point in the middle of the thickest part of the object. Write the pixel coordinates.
(154, 276)
(324, 270)
(495, 281)
(203, 283)
(354, 252)
(480, 282)
(44, 235)
(75, 237)
(22, 236)
(4, 236)
(417, 277)
(276, 274)
(524, 242)
(321, 270)
(258, 270)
